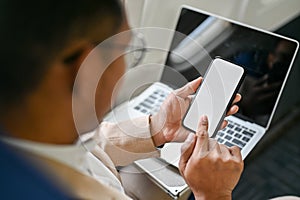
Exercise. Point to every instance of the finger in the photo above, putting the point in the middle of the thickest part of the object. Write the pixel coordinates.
(184, 104)
(202, 136)
(213, 144)
(234, 109)
(225, 151)
(189, 88)
(236, 153)
(186, 150)
(214, 148)
(237, 98)
(190, 98)
(202, 145)
(202, 124)
(224, 124)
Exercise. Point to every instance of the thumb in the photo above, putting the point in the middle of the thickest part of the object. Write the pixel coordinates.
(189, 89)
(202, 142)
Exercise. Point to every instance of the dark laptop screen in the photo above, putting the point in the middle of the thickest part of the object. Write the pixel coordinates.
(265, 57)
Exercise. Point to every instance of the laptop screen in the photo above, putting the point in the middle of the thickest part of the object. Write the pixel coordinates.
(266, 58)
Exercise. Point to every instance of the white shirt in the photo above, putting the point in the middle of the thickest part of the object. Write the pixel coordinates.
(114, 147)
(75, 156)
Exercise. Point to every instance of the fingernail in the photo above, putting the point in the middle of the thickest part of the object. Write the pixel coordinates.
(204, 119)
(190, 137)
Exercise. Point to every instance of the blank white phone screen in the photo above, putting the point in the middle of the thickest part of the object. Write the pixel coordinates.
(214, 95)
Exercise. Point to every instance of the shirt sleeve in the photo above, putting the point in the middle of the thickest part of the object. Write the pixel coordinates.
(126, 141)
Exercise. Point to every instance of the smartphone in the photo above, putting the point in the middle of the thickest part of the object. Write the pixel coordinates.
(215, 95)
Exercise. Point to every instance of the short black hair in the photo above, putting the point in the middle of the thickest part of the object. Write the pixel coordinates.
(34, 31)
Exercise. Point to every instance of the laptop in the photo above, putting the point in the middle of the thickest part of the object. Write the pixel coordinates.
(266, 57)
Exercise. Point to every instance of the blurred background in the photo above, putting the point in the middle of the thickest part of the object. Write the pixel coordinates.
(273, 168)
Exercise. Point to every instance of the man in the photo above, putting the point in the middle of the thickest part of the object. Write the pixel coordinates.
(44, 45)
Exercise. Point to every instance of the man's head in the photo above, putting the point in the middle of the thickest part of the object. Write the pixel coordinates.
(43, 46)
(35, 33)
(282, 53)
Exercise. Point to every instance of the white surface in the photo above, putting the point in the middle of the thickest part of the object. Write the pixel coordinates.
(171, 153)
(214, 95)
(266, 14)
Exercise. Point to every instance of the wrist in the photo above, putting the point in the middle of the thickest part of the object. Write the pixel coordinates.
(213, 196)
(156, 131)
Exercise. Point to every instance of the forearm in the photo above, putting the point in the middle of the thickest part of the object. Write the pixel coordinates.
(212, 197)
(127, 141)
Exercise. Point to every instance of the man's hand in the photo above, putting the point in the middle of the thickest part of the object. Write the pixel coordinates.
(166, 125)
(211, 170)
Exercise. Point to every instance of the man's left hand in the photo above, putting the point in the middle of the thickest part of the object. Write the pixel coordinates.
(166, 125)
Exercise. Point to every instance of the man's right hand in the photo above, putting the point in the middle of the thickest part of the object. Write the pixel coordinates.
(211, 170)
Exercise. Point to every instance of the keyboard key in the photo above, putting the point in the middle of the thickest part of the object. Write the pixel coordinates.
(157, 106)
(247, 133)
(245, 139)
(220, 140)
(238, 129)
(144, 111)
(238, 142)
(230, 132)
(237, 135)
(149, 101)
(145, 105)
(221, 134)
(153, 97)
(137, 108)
(228, 137)
(155, 111)
(236, 124)
(230, 125)
(252, 131)
(229, 144)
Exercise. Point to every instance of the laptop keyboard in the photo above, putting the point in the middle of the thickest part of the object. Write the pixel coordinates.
(235, 134)
(153, 102)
